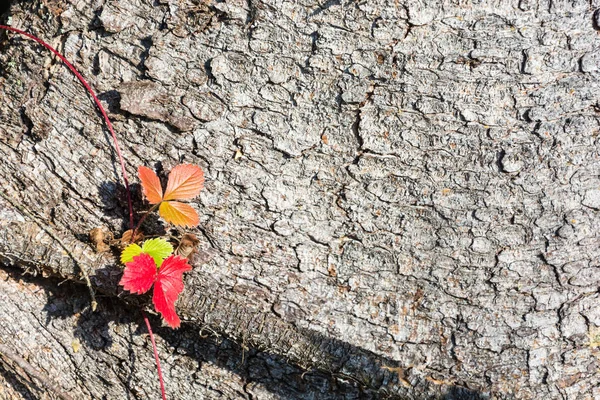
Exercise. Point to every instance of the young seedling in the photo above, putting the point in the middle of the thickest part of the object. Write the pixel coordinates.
(154, 262)
(142, 271)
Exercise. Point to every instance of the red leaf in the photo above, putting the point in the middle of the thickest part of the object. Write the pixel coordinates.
(185, 182)
(151, 185)
(169, 284)
(139, 274)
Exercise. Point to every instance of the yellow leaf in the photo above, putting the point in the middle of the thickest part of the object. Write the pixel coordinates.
(178, 213)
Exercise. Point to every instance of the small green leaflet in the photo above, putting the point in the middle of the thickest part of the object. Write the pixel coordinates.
(157, 248)
(130, 251)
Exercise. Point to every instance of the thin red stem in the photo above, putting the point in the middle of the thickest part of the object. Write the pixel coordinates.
(142, 221)
(121, 161)
(96, 100)
(160, 377)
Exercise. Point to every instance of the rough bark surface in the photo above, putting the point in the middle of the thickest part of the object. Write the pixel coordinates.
(401, 195)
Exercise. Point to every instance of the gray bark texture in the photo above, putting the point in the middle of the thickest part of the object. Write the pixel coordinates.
(402, 197)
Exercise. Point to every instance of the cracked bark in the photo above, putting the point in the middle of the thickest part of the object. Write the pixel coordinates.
(402, 198)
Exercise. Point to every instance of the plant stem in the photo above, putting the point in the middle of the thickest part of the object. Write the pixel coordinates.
(142, 221)
(123, 170)
(160, 377)
(96, 100)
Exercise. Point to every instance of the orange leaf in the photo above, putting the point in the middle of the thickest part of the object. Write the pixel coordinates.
(185, 182)
(151, 185)
(179, 213)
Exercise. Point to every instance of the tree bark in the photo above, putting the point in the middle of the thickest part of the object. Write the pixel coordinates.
(402, 197)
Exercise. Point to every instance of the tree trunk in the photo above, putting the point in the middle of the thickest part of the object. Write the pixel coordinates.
(402, 197)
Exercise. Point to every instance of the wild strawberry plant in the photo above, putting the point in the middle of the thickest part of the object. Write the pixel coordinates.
(153, 263)
(143, 272)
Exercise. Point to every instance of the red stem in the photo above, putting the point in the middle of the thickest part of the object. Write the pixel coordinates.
(160, 377)
(142, 221)
(118, 150)
(96, 100)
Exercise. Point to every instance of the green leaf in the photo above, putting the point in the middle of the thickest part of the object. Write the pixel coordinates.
(130, 251)
(158, 249)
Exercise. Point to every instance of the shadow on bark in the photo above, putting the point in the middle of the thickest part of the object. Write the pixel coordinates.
(4, 8)
(276, 373)
(18, 383)
(114, 206)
